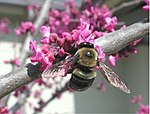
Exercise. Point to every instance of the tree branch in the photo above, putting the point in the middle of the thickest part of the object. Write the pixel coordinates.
(115, 41)
(18, 78)
(111, 43)
(125, 4)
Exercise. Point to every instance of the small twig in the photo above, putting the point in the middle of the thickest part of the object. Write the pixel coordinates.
(125, 4)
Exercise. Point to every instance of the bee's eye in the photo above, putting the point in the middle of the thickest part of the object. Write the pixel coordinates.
(89, 54)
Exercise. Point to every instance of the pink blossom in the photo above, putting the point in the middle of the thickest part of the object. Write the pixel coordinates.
(47, 37)
(65, 17)
(113, 58)
(68, 37)
(99, 34)
(60, 41)
(45, 31)
(44, 58)
(136, 42)
(61, 52)
(136, 99)
(82, 34)
(143, 109)
(110, 23)
(84, 25)
(123, 27)
(84, 28)
(55, 13)
(37, 94)
(100, 85)
(147, 6)
(25, 26)
(3, 27)
(17, 31)
(4, 22)
(13, 61)
(33, 46)
(101, 54)
(45, 41)
(4, 110)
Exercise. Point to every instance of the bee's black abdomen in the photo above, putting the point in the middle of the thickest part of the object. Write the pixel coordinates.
(86, 44)
(79, 84)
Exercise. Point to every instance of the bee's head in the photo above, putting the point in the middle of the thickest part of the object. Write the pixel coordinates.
(86, 44)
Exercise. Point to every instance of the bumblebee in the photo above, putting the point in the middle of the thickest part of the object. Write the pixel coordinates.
(82, 65)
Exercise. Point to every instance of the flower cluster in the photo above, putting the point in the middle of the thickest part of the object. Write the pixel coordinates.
(24, 28)
(143, 109)
(4, 22)
(67, 19)
(100, 19)
(55, 46)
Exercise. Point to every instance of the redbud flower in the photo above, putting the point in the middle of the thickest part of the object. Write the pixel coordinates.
(136, 99)
(143, 109)
(13, 61)
(4, 25)
(147, 6)
(101, 54)
(110, 23)
(25, 26)
(39, 56)
(136, 42)
(37, 94)
(65, 17)
(17, 31)
(45, 31)
(61, 52)
(113, 58)
(100, 85)
(82, 34)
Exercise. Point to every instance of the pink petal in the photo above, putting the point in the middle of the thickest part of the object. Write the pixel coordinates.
(45, 40)
(112, 60)
(45, 31)
(61, 52)
(33, 46)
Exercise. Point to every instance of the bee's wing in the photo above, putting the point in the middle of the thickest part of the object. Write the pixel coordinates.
(113, 78)
(61, 68)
